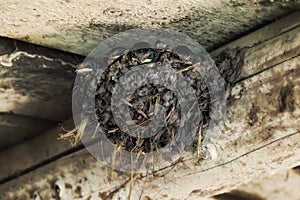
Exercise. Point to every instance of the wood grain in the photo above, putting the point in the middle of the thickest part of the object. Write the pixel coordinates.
(78, 26)
(261, 136)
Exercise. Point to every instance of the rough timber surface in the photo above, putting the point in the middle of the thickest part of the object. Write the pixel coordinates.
(35, 81)
(283, 185)
(15, 128)
(35, 89)
(34, 152)
(78, 26)
(261, 137)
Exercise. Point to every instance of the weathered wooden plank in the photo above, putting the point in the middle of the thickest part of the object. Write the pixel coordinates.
(77, 26)
(261, 35)
(35, 89)
(235, 62)
(79, 176)
(33, 152)
(261, 136)
(255, 125)
(36, 81)
(283, 185)
(15, 128)
(272, 52)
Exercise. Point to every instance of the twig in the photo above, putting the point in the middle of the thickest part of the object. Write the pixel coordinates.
(187, 68)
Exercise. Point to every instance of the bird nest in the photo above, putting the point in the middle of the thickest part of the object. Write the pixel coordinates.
(147, 102)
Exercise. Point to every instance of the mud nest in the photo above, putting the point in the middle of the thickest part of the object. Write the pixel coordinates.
(144, 102)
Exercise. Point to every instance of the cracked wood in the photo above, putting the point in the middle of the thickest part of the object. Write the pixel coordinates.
(261, 136)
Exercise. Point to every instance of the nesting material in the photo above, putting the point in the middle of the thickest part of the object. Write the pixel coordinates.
(146, 103)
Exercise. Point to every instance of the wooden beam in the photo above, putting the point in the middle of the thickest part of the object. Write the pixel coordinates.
(36, 81)
(261, 136)
(16, 128)
(264, 34)
(233, 59)
(283, 185)
(244, 62)
(35, 89)
(78, 26)
(34, 152)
